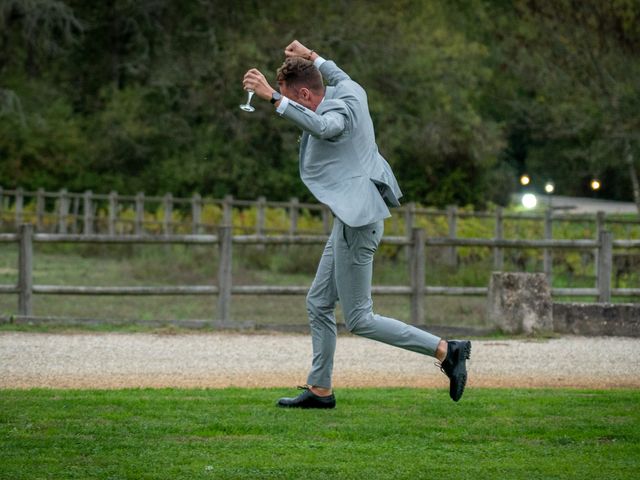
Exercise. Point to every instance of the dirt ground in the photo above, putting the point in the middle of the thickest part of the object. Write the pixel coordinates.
(216, 360)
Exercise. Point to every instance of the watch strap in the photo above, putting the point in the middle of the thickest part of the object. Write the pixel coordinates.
(275, 96)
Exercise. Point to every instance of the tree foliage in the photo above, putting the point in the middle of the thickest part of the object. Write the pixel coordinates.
(577, 65)
(142, 94)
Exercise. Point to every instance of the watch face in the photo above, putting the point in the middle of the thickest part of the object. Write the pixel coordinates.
(275, 97)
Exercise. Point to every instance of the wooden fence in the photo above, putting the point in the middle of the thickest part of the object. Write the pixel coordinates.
(78, 212)
(225, 290)
(65, 212)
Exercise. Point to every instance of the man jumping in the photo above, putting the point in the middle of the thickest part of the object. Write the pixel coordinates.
(341, 166)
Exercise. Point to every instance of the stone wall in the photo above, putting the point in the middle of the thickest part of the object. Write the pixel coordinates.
(619, 319)
(521, 303)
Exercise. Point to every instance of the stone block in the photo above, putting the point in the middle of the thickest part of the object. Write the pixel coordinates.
(614, 319)
(520, 302)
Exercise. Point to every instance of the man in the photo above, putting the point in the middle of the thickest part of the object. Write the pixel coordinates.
(341, 166)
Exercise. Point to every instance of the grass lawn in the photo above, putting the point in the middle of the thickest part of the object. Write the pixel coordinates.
(374, 433)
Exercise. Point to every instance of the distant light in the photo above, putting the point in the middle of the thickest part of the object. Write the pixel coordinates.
(529, 200)
(549, 187)
(525, 180)
(595, 184)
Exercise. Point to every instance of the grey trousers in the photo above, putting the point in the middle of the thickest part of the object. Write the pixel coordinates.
(344, 274)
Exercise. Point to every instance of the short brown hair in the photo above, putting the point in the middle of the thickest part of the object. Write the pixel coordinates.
(296, 72)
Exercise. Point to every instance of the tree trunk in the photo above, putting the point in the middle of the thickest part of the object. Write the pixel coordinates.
(633, 174)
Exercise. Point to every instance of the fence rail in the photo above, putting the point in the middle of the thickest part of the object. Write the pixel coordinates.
(224, 290)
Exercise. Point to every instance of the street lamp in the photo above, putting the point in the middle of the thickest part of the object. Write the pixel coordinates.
(549, 187)
(595, 184)
(529, 200)
(525, 180)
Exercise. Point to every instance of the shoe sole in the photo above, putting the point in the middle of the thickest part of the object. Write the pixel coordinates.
(464, 355)
(306, 407)
(467, 351)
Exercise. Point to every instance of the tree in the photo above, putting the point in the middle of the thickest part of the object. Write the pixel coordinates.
(143, 94)
(41, 28)
(579, 62)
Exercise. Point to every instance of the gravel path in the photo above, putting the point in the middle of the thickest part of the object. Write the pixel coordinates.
(116, 360)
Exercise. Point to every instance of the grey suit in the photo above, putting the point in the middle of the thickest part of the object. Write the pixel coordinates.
(341, 166)
(339, 158)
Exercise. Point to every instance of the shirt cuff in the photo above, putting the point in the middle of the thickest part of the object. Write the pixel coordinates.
(284, 101)
(318, 62)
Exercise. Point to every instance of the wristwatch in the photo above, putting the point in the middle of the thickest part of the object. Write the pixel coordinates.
(275, 97)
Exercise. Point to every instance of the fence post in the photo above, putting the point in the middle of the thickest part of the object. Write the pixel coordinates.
(418, 261)
(452, 220)
(113, 211)
(409, 213)
(63, 210)
(498, 252)
(225, 245)
(18, 206)
(548, 235)
(196, 213)
(326, 220)
(604, 266)
(600, 218)
(25, 270)
(227, 211)
(75, 203)
(260, 215)
(600, 225)
(139, 222)
(168, 213)
(260, 220)
(409, 218)
(40, 207)
(88, 213)
(293, 215)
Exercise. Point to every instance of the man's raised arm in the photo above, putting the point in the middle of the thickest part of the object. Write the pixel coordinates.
(328, 125)
(330, 71)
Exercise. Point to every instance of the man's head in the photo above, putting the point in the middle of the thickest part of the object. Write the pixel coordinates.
(301, 81)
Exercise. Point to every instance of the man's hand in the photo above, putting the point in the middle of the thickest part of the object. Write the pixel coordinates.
(255, 80)
(296, 49)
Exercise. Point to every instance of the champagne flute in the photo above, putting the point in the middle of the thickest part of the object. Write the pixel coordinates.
(247, 106)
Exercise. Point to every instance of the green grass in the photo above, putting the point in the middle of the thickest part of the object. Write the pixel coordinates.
(374, 433)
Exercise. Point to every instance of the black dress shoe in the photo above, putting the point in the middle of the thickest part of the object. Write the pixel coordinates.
(454, 367)
(308, 399)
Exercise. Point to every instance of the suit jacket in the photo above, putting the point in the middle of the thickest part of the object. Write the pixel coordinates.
(339, 158)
